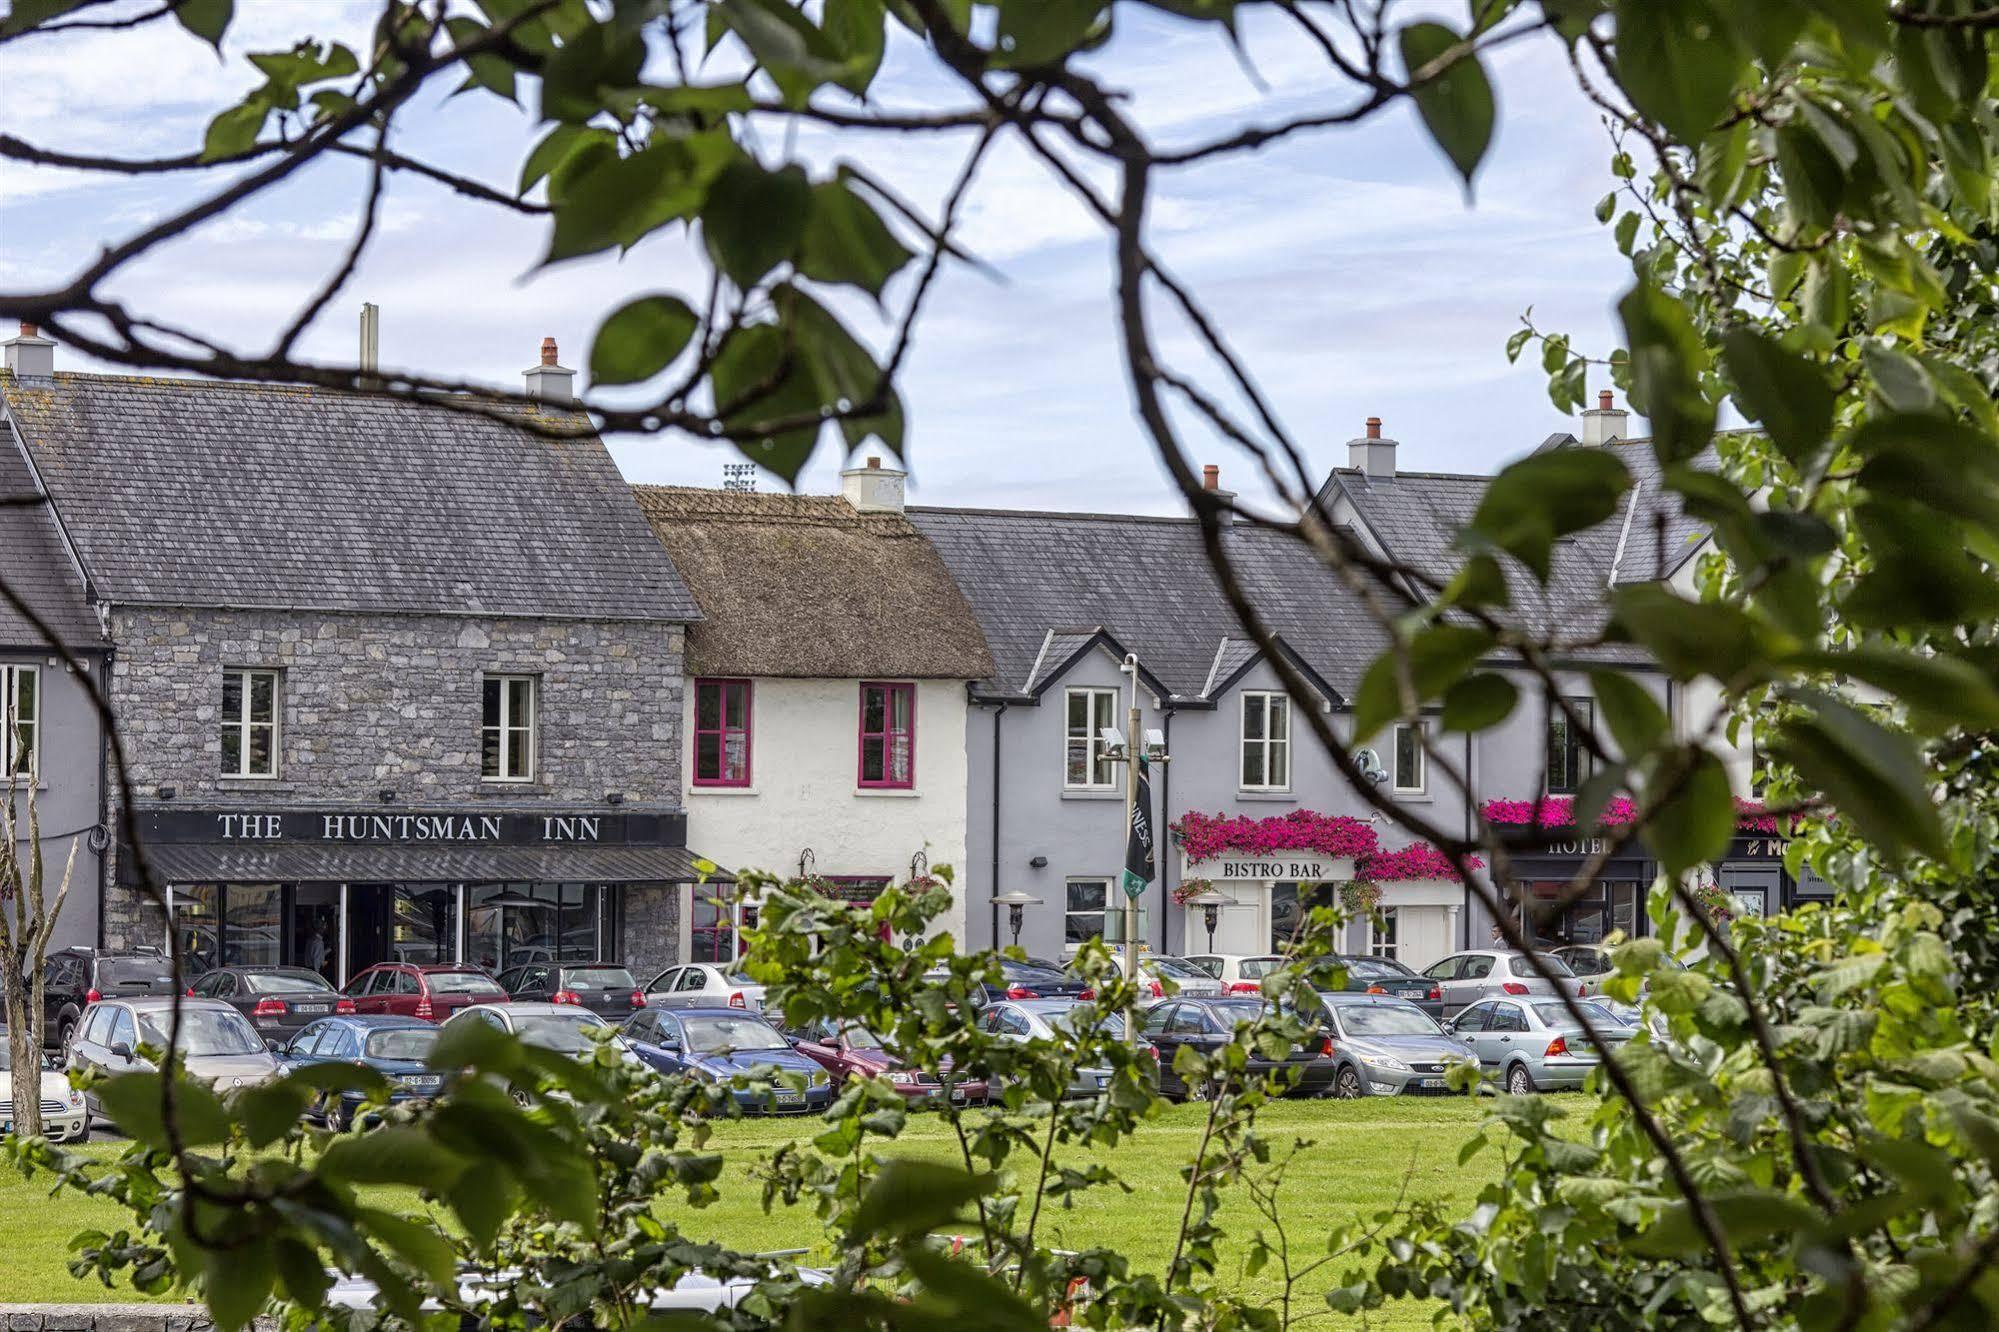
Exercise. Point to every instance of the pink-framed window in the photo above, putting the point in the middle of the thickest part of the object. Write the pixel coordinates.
(721, 732)
(888, 735)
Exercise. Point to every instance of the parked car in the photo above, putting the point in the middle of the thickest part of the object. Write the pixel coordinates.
(78, 977)
(1466, 978)
(1239, 974)
(693, 1290)
(605, 988)
(1384, 975)
(704, 985)
(395, 1047)
(431, 991)
(1055, 1020)
(849, 1050)
(1022, 980)
(1592, 965)
(723, 1044)
(1530, 1045)
(564, 1028)
(1384, 1046)
(279, 1001)
(64, 1118)
(1156, 971)
(1210, 1022)
(218, 1043)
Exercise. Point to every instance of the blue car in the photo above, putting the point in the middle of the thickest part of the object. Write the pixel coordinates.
(720, 1044)
(395, 1047)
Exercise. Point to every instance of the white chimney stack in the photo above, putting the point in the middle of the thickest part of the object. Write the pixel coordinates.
(549, 381)
(31, 356)
(1371, 455)
(873, 488)
(1605, 423)
(371, 338)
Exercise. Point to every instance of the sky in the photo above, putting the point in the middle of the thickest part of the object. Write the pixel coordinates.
(1349, 268)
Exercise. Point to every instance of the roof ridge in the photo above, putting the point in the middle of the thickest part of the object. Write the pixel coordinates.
(983, 511)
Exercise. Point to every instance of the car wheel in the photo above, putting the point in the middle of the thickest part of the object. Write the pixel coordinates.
(65, 1033)
(1520, 1082)
(1346, 1086)
(338, 1117)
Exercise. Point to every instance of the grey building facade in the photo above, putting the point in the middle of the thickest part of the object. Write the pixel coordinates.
(395, 682)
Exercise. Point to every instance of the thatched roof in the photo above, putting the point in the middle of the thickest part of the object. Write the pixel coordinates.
(804, 586)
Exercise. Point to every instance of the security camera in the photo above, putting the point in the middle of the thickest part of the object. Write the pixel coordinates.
(1370, 766)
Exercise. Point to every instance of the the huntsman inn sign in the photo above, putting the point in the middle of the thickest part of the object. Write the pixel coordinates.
(413, 828)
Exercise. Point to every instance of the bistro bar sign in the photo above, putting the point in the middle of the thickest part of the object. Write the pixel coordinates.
(1280, 869)
(443, 827)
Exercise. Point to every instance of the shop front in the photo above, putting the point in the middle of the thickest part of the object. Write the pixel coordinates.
(338, 890)
(1265, 900)
(1613, 903)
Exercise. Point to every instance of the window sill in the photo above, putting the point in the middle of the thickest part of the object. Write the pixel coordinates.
(1090, 793)
(1412, 797)
(722, 791)
(1271, 797)
(508, 786)
(238, 783)
(886, 793)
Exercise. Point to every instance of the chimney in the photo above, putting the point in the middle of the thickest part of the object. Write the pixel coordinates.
(549, 381)
(1211, 481)
(873, 488)
(1605, 423)
(31, 356)
(1371, 455)
(371, 338)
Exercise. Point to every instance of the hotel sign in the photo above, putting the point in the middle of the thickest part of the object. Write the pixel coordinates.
(415, 827)
(1303, 868)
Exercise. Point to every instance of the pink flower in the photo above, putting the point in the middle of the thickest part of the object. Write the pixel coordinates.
(1418, 860)
(1206, 836)
(1559, 812)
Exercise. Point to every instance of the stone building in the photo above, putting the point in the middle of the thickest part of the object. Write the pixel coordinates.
(395, 681)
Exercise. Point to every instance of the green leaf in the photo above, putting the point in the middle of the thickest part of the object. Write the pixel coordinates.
(640, 339)
(1938, 463)
(1695, 824)
(844, 371)
(1872, 775)
(1636, 720)
(606, 200)
(846, 241)
(1547, 495)
(392, 1154)
(267, 1111)
(1042, 32)
(1747, 1218)
(1667, 359)
(1948, 691)
(797, 56)
(26, 14)
(1479, 702)
(759, 377)
(1691, 638)
(1439, 657)
(483, 1200)
(234, 131)
(1900, 379)
(1457, 104)
(301, 1270)
(206, 19)
(1677, 62)
(1517, 343)
(555, 147)
(600, 58)
(913, 1197)
(754, 219)
(1784, 391)
(419, 1244)
(238, 1281)
(1479, 581)
(132, 1102)
(857, 29)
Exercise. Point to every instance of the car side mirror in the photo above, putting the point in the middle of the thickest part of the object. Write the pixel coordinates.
(275, 1046)
(1450, 1027)
(669, 1042)
(121, 1050)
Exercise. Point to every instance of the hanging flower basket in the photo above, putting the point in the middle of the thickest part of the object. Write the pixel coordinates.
(1208, 836)
(1418, 860)
(1719, 905)
(1359, 897)
(1619, 812)
(1188, 889)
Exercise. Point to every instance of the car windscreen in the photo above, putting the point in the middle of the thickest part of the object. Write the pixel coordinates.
(707, 1034)
(859, 1037)
(1557, 1015)
(738, 978)
(597, 978)
(460, 982)
(1372, 968)
(411, 1043)
(559, 1032)
(1522, 967)
(203, 1031)
(285, 982)
(1385, 1020)
(1256, 968)
(134, 971)
(1178, 970)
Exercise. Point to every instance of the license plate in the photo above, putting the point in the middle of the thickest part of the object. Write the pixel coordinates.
(790, 1097)
(958, 1096)
(1430, 1082)
(1103, 1081)
(312, 1008)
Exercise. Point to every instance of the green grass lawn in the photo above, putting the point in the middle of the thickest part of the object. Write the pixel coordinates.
(1361, 1155)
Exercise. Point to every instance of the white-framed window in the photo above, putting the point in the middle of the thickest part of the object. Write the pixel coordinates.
(1407, 773)
(1568, 759)
(1266, 741)
(1087, 712)
(1088, 901)
(20, 720)
(250, 713)
(506, 733)
(1384, 936)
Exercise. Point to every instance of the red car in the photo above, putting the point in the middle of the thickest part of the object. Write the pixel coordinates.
(847, 1049)
(432, 992)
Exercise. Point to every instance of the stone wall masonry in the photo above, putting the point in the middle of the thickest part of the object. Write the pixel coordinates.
(113, 1318)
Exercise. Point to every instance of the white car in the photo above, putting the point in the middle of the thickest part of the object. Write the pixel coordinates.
(696, 1290)
(704, 985)
(1239, 973)
(64, 1116)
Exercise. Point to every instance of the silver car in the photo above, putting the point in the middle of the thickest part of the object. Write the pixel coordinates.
(1055, 1020)
(1488, 973)
(1388, 1046)
(217, 1043)
(1592, 965)
(1530, 1045)
(704, 985)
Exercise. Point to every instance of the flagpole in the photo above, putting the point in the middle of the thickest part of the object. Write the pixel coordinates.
(1133, 756)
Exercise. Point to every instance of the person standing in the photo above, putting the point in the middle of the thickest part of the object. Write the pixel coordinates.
(317, 954)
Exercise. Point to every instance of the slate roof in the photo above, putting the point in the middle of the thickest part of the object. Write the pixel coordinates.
(203, 493)
(1045, 585)
(36, 566)
(807, 587)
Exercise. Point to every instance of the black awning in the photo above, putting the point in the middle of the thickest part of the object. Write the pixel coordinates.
(232, 863)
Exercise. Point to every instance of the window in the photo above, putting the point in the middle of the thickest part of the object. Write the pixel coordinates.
(721, 732)
(1568, 760)
(888, 735)
(249, 723)
(20, 719)
(1408, 775)
(1266, 742)
(1084, 766)
(1384, 935)
(1084, 921)
(506, 749)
